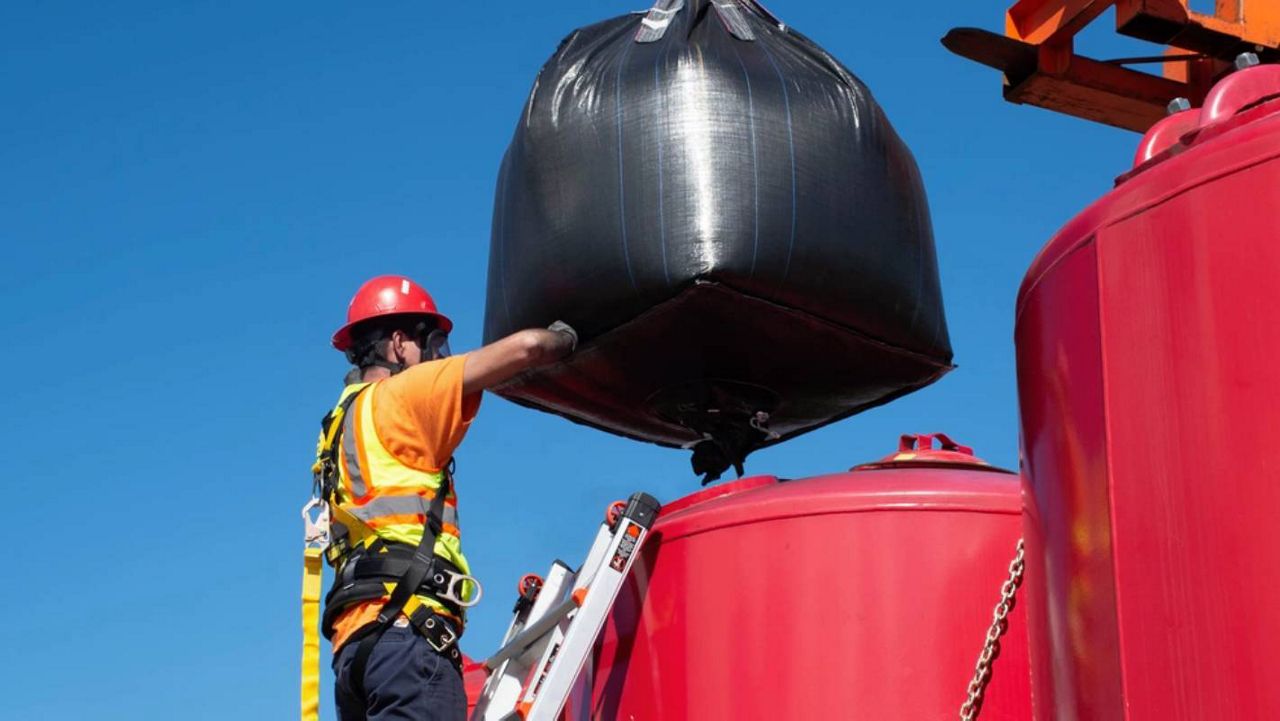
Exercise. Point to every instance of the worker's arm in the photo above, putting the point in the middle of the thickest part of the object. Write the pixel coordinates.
(504, 359)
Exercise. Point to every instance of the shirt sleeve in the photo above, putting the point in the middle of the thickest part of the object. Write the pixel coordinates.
(421, 415)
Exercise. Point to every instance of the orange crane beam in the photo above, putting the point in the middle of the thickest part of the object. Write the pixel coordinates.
(1040, 66)
(1042, 21)
(1230, 30)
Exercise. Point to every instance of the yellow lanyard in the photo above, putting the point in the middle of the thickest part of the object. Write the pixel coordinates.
(311, 560)
(316, 539)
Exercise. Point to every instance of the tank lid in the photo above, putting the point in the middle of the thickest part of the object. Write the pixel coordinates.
(1227, 105)
(916, 450)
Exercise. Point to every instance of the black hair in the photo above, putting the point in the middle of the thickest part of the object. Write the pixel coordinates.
(368, 338)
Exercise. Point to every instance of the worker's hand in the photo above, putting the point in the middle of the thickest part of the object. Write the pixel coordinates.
(562, 327)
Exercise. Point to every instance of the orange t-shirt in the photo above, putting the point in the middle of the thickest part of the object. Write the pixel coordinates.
(420, 416)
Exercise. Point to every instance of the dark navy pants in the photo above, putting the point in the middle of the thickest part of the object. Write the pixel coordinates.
(405, 680)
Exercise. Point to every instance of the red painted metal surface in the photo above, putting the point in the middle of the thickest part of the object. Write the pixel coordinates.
(916, 450)
(855, 595)
(1239, 91)
(1165, 134)
(474, 674)
(1146, 369)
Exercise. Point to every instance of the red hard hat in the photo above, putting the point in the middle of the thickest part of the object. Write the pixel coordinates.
(388, 295)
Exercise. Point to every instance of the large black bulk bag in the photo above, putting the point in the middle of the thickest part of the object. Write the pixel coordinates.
(727, 218)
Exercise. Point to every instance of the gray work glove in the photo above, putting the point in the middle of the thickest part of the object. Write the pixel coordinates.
(562, 327)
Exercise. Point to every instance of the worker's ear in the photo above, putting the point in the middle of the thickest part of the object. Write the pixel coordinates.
(395, 348)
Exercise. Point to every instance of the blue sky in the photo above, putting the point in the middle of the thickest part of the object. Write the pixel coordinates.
(189, 194)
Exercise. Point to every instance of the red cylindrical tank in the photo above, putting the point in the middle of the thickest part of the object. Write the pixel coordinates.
(864, 594)
(1147, 355)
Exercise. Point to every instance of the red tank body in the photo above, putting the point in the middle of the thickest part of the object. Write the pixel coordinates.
(864, 594)
(1147, 351)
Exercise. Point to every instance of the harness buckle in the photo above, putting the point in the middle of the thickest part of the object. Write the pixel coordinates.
(315, 522)
(440, 634)
(448, 586)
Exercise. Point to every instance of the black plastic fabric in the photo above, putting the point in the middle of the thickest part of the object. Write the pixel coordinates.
(732, 226)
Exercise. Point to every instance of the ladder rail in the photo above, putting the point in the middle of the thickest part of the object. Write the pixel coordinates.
(506, 679)
(565, 657)
(560, 628)
(595, 556)
(548, 595)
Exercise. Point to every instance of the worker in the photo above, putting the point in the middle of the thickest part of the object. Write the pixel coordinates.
(402, 584)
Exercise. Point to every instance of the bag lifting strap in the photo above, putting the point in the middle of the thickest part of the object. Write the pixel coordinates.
(419, 567)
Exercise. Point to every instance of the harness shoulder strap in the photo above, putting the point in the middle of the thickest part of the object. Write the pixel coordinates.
(326, 466)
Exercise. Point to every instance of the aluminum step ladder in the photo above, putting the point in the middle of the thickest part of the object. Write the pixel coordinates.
(557, 619)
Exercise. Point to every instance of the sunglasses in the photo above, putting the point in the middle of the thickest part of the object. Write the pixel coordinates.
(435, 345)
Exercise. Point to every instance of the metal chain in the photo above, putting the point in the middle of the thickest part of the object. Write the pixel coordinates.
(999, 624)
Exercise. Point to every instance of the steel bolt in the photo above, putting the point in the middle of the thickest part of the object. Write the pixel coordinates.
(1178, 105)
(1246, 60)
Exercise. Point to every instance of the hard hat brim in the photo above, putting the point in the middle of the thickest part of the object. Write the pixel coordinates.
(342, 339)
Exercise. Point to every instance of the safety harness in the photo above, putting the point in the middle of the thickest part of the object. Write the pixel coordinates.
(368, 567)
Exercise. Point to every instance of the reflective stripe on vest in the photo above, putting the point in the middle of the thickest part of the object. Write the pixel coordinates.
(351, 472)
(388, 509)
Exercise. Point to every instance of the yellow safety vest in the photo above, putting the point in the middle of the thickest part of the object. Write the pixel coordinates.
(384, 496)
